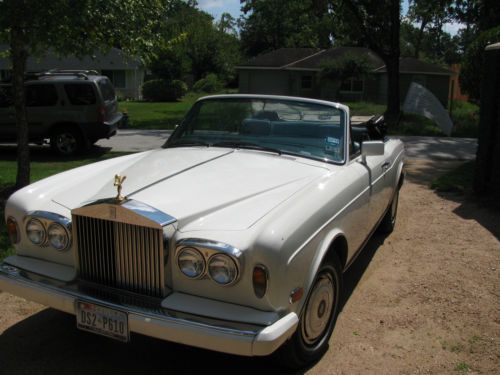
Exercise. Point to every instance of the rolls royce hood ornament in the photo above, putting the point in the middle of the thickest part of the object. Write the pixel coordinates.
(118, 183)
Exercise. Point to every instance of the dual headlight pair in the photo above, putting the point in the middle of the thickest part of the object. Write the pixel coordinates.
(220, 267)
(49, 230)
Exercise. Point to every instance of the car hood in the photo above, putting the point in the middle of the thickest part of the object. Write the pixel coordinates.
(203, 188)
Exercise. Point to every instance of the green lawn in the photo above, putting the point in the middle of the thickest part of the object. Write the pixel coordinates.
(148, 115)
(458, 180)
(43, 164)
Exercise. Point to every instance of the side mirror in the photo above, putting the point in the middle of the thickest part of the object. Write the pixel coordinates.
(371, 148)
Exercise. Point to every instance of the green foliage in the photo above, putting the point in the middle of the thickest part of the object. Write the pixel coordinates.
(209, 84)
(195, 46)
(436, 45)
(159, 90)
(82, 27)
(271, 24)
(347, 66)
(465, 117)
(179, 87)
(462, 367)
(472, 67)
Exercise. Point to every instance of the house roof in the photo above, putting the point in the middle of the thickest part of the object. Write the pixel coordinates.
(413, 65)
(114, 59)
(280, 57)
(311, 59)
(314, 62)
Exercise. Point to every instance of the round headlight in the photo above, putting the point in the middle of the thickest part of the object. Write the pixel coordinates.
(222, 269)
(36, 232)
(58, 236)
(191, 262)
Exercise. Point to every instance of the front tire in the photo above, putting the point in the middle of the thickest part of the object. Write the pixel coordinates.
(310, 340)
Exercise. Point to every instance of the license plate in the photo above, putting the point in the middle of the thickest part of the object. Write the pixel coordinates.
(102, 321)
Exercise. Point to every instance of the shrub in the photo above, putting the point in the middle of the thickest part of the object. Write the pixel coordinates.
(208, 84)
(159, 90)
(179, 88)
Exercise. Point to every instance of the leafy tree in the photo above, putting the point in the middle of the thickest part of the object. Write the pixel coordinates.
(194, 45)
(448, 51)
(376, 25)
(272, 24)
(431, 15)
(472, 66)
(80, 28)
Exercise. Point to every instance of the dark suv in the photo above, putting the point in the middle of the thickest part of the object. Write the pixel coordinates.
(71, 109)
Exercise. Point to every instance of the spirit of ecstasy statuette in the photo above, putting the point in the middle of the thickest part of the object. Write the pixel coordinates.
(118, 183)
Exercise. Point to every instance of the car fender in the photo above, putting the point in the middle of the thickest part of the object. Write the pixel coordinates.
(320, 255)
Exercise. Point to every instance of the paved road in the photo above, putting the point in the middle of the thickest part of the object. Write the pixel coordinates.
(444, 148)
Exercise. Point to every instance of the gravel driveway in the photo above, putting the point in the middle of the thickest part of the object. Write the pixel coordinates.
(424, 300)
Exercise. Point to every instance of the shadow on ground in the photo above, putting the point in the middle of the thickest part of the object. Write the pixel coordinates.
(48, 342)
(484, 210)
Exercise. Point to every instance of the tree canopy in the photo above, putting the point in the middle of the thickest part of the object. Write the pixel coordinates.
(196, 46)
(79, 28)
(272, 24)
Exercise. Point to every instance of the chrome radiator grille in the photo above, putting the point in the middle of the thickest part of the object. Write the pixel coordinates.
(120, 255)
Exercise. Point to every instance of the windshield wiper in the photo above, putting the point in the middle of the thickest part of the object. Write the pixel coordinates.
(247, 146)
(186, 143)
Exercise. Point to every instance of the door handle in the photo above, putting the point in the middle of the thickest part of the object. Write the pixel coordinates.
(385, 165)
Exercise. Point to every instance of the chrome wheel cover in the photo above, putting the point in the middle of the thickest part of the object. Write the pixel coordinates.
(319, 308)
(66, 143)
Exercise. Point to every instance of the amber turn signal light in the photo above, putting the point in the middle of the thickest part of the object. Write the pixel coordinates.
(13, 230)
(260, 278)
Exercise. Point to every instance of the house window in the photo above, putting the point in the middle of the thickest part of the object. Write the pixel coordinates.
(117, 77)
(352, 85)
(306, 83)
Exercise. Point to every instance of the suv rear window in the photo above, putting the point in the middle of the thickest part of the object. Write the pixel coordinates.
(41, 95)
(80, 93)
(107, 89)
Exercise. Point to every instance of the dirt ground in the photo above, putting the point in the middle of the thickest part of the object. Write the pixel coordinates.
(425, 300)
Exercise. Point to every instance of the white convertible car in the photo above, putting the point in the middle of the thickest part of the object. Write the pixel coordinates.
(232, 237)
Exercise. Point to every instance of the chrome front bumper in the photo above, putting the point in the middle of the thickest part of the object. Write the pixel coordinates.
(223, 336)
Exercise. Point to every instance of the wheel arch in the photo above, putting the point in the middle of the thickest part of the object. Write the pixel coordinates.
(64, 124)
(334, 244)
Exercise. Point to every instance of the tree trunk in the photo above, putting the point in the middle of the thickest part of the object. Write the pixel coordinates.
(487, 178)
(418, 42)
(391, 60)
(19, 56)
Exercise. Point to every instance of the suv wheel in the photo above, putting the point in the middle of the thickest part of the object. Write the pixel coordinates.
(66, 141)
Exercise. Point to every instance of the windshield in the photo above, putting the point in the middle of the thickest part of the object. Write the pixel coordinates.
(299, 128)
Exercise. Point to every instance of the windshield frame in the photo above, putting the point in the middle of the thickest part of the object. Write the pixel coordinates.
(344, 120)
